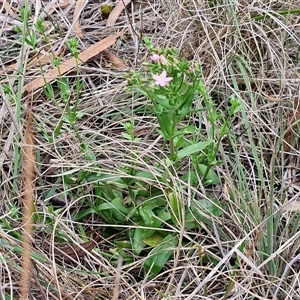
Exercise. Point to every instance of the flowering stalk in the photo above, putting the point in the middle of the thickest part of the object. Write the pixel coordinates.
(171, 84)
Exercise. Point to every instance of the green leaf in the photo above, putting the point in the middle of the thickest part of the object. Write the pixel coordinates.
(160, 255)
(154, 203)
(176, 207)
(192, 149)
(212, 206)
(185, 130)
(162, 100)
(143, 174)
(190, 178)
(147, 216)
(88, 153)
(83, 213)
(58, 128)
(126, 136)
(139, 235)
(164, 215)
(211, 176)
(68, 179)
(166, 124)
(123, 244)
(118, 211)
(102, 177)
(49, 91)
(153, 240)
(189, 221)
(181, 142)
(114, 204)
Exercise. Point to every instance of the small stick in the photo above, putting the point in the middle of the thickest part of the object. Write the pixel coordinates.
(29, 176)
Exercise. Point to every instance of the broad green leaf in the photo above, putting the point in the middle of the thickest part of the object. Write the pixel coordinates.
(123, 244)
(176, 207)
(84, 212)
(115, 204)
(58, 128)
(164, 215)
(49, 91)
(211, 176)
(160, 255)
(181, 142)
(89, 154)
(192, 149)
(115, 211)
(147, 216)
(100, 177)
(139, 235)
(189, 221)
(185, 130)
(154, 203)
(143, 174)
(190, 178)
(153, 240)
(212, 206)
(68, 179)
(162, 100)
(165, 122)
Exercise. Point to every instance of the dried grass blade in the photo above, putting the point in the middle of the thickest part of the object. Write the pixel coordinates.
(116, 61)
(78, 9)
(290, 135)
(59, 5)
(7, 6)
(294, 206)
(115, 13)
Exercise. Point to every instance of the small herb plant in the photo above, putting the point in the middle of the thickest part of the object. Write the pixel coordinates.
(177, 95)
(172, 85)
(130, 197)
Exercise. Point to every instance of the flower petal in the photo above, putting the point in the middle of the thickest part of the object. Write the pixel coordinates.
(163, 60)
(163, 74)
(161, 79)
(155, 57)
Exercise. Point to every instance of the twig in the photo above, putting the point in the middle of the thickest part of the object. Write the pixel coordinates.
(28, 174)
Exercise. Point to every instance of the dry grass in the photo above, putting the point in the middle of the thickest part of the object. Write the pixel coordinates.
(253, 247)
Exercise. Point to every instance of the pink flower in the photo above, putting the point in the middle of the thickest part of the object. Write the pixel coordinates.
(163, 60)
(158, 58)
(155, 57)
(162, 79)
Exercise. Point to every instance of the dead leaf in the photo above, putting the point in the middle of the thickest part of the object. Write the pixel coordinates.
(71, 63)
(59, 5)
(115, 13)
(8, 8)
(292, 207)
(71, 252)
(116, 61)
(78, 9)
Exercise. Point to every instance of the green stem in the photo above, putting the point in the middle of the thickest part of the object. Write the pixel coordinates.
(282, 13)
(17, 152)
(173, 151)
